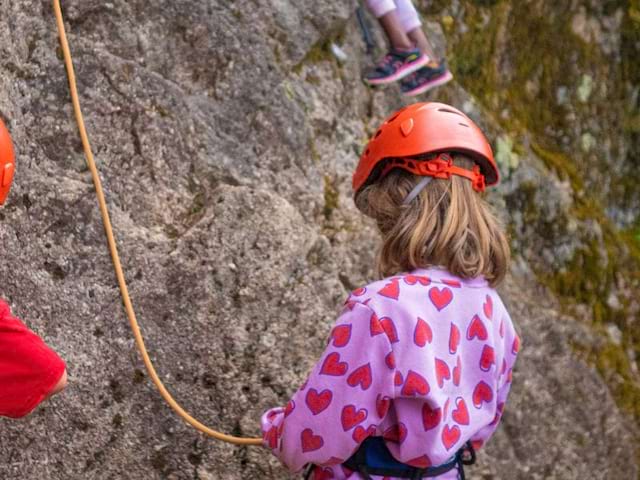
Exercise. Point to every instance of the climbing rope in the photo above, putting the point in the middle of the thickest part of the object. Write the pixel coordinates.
(114, 251)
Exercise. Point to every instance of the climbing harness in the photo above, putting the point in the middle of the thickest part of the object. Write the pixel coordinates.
(373, 458)
(114, 252)
(7, 162)
(411, 137)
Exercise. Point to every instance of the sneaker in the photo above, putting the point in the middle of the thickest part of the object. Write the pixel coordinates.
(396, 65)
(425, 79)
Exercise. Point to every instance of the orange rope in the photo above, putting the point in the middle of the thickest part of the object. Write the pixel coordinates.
(114, 251)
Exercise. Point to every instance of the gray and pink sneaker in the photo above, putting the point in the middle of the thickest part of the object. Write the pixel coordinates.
(425, 79)
(396, 65)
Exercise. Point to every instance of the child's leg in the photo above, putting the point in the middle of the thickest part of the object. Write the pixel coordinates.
(386, 13)
(418, 37)
(412, 26)
(431, 75)
(404, 57)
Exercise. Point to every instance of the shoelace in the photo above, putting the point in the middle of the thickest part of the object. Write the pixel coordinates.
(390, 60)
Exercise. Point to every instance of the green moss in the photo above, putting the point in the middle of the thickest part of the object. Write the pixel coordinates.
(614, 366)
(197, 204)
(331, 197)
(561, 164)
(320, 51)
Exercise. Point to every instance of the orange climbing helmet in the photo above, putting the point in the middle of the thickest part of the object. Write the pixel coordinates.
(7, 162)
(427, 129)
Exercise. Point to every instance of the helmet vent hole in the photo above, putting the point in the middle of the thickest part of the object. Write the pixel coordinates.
(411, 165)
(378, 133)
(447, 110)
(464, 125)
(393, 118)
(400, 161)
(366, 152)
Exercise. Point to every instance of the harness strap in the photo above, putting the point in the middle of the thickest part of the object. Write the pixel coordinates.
(358, 463)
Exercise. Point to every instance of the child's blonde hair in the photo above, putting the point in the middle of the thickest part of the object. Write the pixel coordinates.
(448, 224)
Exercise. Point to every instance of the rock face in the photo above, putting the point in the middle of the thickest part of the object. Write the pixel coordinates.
(226, 133)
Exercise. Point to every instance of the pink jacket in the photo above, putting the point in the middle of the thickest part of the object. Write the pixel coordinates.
(422, 359)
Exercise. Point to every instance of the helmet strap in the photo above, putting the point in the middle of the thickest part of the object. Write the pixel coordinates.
(440, 167)
(416, 190)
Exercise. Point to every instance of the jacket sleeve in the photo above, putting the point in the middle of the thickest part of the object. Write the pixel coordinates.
(29, 369)
(344, 399)
(511, 347)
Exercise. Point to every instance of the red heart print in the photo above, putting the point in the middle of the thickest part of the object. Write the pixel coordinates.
(358, 292)
(375, 327)
(396, 433)
(440, 297)
(487, 358)
(496, 419)
(397, 379)
(488, 307)
(390, 360)
(309, 441)
(318, 402)
(351, 417)
(457, 372)
(516, 345)
(320, 473)
(389, 328)
(461, 414)
(482, 393)
(476, 329)
(454, 339)
(333, 366)
(422, 333)
(271, 437)
(445, 409)
(382, 405)
(290, 407)
(391, 289)
(501, 330)
(430, 416)
(510, 375)
(450, 436)
(415, 384)
(420, 462)
(359, 434)
(413, 279)
(341, 335)
(350, 304)
(476, 444)
(360, 376)
(452, 283)
(442, 372)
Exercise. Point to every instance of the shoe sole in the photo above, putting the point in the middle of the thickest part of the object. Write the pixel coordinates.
(447, 77)
(401, 73)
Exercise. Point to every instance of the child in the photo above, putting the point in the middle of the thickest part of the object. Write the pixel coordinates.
(29, 371)
(411, 58)
(418, 367)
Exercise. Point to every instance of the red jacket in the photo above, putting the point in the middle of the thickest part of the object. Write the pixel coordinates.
(29, 370)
